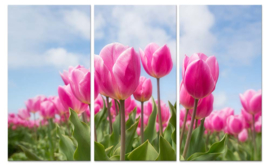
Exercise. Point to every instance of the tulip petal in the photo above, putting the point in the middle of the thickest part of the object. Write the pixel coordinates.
(162, 62)
(127, 73)
(85, 88)
(104, 78)
(256, 103)
(110, 53)
(198, 80)
(213, 65)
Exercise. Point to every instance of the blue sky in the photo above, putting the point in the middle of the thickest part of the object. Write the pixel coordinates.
(43, 40)
(233, 34)
(137, 26)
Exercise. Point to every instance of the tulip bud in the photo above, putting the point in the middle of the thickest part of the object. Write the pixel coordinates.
(144, 90)
(157, 61)
(252, 101)
(200, 74)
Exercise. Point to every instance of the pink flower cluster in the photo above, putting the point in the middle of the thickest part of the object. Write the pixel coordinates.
(75, 94)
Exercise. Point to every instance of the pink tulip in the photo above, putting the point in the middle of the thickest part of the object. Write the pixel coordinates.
(117, 71)
(200, 74)
(252, 101)
(69, 100)
(165, 116)
(208, 123)
(33, 104)
(66, 75)
(205, 107)
(258, 125)
(98, 104)
(80, 84)
(88, 114)
(217, 122)
(130, 104)
(186, 100)
(183, 113)
(23, 114)
(243, 135)
(47, 109)
(145, 122)
(235, 124)
(144, 90)
(57, 120)
(96, 89)
(157, 61)
(59, 108)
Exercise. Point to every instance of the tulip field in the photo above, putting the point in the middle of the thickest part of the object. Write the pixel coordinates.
(62, 130)
(220, 134)
(126, 129)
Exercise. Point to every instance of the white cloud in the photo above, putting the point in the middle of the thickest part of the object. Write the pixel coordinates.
(236, 39)
(79, 21)
(195, 34)
(32, 30)
(56, 57)
(220, 99)
(137, 25)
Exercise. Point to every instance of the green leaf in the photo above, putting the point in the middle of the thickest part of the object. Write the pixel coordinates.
(150, 130)
(101, 115)
(173, 136)
(100, 153)
(66, 145)
(82, 135)
(215, 150)
(130, 133)
(173, 114)
(166, 152)
(131, 120)
(30, 155)
(196, 142)
(114, 137)
(144, 152)
(229, 155)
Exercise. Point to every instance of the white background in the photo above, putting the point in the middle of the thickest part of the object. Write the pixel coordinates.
(4, 68)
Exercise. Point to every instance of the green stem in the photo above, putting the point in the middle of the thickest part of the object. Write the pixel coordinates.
(50, 139)
(196, 123)
(116, 107)
(123, 130)
(253, 137)
(190, 128)
(159, 109)
(183, 127)
(142, 123)
(109, 113)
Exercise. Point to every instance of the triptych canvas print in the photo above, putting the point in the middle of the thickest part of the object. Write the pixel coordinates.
(169, 83)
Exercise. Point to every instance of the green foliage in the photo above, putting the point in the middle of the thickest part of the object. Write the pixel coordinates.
(155, 147)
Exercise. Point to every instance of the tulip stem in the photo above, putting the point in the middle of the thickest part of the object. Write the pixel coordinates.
(142, 123)
(253, 137)
(207, 139)
(116, 106)
(68, 129)
(95, 130)
(123, 130)
(35, 127)
(190, 128)
(109, 113)
(183, 127)
(84, 117)
(196, 123)
(50, 139)
(159, 109)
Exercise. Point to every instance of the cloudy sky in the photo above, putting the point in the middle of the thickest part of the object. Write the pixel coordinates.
(43, 41)
(137, 26)
(233, 34)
